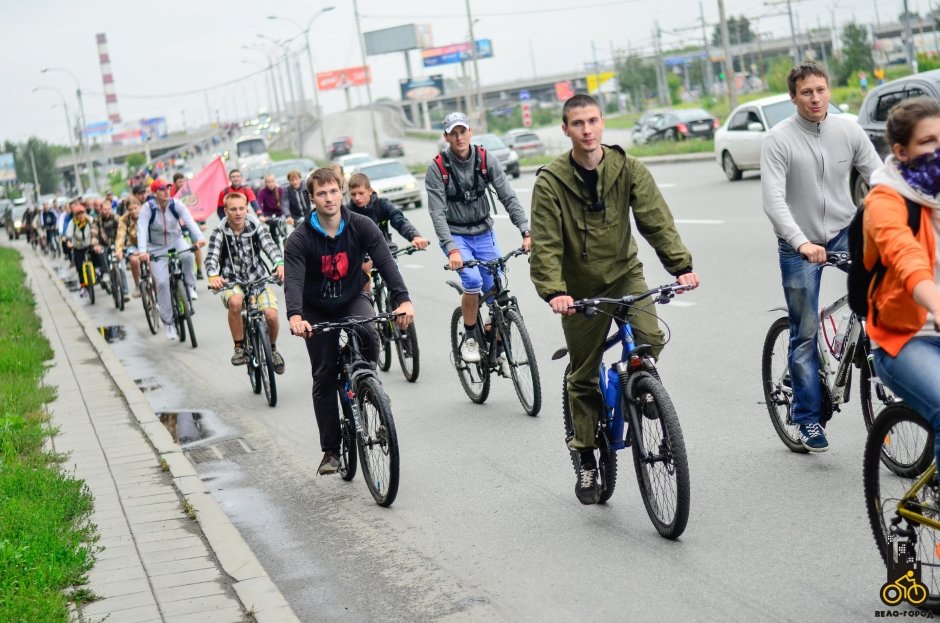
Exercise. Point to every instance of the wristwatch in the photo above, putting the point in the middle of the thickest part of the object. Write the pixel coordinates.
(526, 233)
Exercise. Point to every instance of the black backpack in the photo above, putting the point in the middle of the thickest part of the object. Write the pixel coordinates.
(861, 281)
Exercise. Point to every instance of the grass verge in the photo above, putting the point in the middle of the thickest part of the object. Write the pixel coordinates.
(46, 541)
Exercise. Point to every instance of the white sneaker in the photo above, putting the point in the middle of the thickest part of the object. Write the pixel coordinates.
(192, 294)
(171, 333)
(470, 351)
(504, 365)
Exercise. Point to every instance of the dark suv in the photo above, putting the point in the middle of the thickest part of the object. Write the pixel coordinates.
(874, 114)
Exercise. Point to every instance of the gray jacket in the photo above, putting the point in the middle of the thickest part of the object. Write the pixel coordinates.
(805, 168)
(467, 219)
(165, 230)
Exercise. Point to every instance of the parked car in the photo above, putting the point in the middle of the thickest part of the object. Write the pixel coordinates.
(14, 221)
(524, 142)
(391, 147)
(339, 147)
(873, 114)
(738, 141)
(392, 180)
(351, 161)
(677, 125)
(508, 159)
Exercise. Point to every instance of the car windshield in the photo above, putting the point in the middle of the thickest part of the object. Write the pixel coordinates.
(384, 170)
(490, 142)
(776, 113)
(351, 162)
(693, 114)
(526, 138)
(251, 147)
(18, 212)
(281, 169)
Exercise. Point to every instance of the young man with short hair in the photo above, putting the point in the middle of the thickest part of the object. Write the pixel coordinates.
(806, 161)
(295, 199)
(235, 186)
(363, 200)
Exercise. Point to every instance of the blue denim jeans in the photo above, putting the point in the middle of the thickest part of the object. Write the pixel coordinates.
(801, 290)
(914, 375)
(477, 247)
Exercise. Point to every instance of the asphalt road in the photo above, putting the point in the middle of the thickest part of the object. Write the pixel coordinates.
(486, 523)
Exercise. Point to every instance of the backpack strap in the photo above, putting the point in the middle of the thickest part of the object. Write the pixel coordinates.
(913, 215)
(481, 151)
(439, 161)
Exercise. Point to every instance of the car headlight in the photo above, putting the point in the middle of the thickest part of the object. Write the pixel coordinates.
(411, 185)
(513, 156)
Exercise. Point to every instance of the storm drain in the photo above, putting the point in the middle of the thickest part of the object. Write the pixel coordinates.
(224, 450)
(147, 384)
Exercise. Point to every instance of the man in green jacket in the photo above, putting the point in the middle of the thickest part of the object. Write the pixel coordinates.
(583, 247)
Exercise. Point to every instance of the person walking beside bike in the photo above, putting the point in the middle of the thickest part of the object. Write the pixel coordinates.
(584, 247)
(158, 230)
(806, 161)
(459, 206)
(234, 254)
(904, 309)
(323, 282)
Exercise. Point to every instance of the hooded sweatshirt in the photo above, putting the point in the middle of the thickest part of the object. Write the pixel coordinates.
(382, 212)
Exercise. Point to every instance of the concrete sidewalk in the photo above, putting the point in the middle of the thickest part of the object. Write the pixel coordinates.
(168, 551)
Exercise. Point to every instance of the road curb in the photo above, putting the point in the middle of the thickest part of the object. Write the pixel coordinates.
(251, 583)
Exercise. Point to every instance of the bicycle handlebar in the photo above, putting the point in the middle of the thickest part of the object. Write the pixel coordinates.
(838, 258)
(491, 264)
(349, 323)
(405, 251)
(167, 254)
(248, 286)
(664, 294)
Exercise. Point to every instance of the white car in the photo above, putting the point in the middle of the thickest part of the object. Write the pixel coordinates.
(351, 161)
(392, 180)
(738, 141)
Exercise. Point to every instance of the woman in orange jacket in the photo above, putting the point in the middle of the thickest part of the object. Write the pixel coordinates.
(904, 311)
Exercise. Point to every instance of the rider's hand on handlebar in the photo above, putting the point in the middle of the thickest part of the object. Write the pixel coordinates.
(456, 262)
(408, 315)
(144, 257)
(300, 327)
(562, 305)
(216, 283)
(279, 271)
(527, 244)
(688, 279)
(419, 243)
(813, 253)
(201, 244)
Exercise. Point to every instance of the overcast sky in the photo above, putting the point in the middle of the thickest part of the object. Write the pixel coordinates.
(172, 47)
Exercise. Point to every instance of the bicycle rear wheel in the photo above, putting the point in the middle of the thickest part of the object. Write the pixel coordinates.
(378, 445)
(149, 300)
(116, 293)
(522, 364)
(901, 432)
(265, 360)
(384, 329)
(775, 377)
(474, 377)
(607, 458)
(407, 347)
(177, 297)
(348, 460)
(662, 468)
(875, 396)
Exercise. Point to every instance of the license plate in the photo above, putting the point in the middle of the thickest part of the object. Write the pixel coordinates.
(700, 127)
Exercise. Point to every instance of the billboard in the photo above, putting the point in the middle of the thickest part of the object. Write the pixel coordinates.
(456, 53)
(422, 88)
(102, 128)
(154, 128)
(7, 168)
(596, 81)
(344, 78)
(387, 40)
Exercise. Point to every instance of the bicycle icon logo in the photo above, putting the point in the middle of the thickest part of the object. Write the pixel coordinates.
(914, 593)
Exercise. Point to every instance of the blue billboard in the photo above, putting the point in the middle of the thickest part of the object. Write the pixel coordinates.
(7, 168)
(456, 53)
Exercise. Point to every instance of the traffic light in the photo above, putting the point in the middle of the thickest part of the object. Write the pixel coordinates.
(721, 76)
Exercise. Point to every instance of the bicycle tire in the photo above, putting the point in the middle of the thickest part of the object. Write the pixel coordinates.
(177, 297)
(125, 292)
(188, 316)
(607, 458)
(662, 435)
(408, 353)
(252, 363)
(774, 367)
(474, 377)
(148, 300)
(525, 372)
(91, 292)
(265, 361)
(884, 488)
(348, 457)
(384, 329)
(378, 445)
(116, 293)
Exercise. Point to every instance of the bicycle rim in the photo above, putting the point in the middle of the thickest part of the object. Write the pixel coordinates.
(777, 395)
(147, 300)
(348, 460)
(384, 329)
(378, 446)
(407, 347)
(662, 467)
(522, 364)
(265, 361)
(116, 293)
(474, 377)
(904, 431)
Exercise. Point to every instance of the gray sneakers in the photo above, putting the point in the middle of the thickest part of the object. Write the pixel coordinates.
(329, 464)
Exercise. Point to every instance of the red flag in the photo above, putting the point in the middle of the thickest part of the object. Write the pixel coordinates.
(201, 194)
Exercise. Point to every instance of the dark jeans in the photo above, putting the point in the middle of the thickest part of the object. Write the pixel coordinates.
(78, 258)
(801, 289)
(323, 350)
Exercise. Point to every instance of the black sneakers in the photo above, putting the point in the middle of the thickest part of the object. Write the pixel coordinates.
(587, 488)
(329, 464)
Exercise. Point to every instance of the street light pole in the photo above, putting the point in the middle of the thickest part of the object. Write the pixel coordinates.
(481, 108)
(270, 78)
(362, 52)
(68, 128)
(89, 163)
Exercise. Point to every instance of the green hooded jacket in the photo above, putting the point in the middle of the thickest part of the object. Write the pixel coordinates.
(584, 253)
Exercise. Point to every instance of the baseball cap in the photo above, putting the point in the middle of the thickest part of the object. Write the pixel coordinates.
(157, 184)
(454, 119)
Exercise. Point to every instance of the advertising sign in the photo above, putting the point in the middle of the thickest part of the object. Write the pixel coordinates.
(7, 168)
(422, 88)
(102, 128)
(563, 91)
(344, 78)
(595, 81)
(456, 53)
(154, 128)
(387, 40)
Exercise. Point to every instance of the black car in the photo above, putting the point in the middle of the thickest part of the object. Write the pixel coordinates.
(339, 148)
(676, 125)
(391, 148)
(873, 114)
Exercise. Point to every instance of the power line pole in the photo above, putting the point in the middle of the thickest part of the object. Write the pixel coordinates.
(709, 70)
(481, 107)
(729, 64)
(662, 84)
(362, 52)
(909, 40)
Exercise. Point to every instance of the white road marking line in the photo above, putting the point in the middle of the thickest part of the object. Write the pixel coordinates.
(682, 303)
(666, 185)
(698, 221)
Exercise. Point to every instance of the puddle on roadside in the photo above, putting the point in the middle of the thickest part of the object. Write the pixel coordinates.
(186, 426)
(72, 285)
(147, 384)
(113, 333)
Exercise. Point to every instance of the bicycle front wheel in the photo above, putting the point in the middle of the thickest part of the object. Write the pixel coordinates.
(384, 329)
(348, 460)
(265, 360)
(378, 445)
(149, 300)
(662, 468)
(522, 364)
(900, 432)
(778, 390)
(116, 293)
(607, 458)
(407, 347)
(474, 377)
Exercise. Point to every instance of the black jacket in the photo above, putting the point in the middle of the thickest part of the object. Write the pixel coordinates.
(382, 212)
(297, 201)
(325, 274)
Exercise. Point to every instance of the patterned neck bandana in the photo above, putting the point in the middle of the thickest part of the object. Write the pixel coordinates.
(923, 173)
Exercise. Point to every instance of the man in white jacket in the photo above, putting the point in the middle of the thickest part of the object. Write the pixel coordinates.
(806, 161)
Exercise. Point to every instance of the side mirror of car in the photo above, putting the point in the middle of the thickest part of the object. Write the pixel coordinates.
(755, 126)
(844, 107)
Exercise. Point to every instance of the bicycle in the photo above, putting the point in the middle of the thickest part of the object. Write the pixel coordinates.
(903, 499)
(406, 342)
(366, 418)
(279, 231)
(117, 279)
(848, 346)
(89, 275)
(180, 302)
(256, 341)
(148, 297)
(634, 397)
(507, 332)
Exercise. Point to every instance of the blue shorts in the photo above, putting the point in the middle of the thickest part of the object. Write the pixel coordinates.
(476, 247)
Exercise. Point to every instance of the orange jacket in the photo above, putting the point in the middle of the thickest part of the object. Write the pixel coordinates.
(909, 261)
